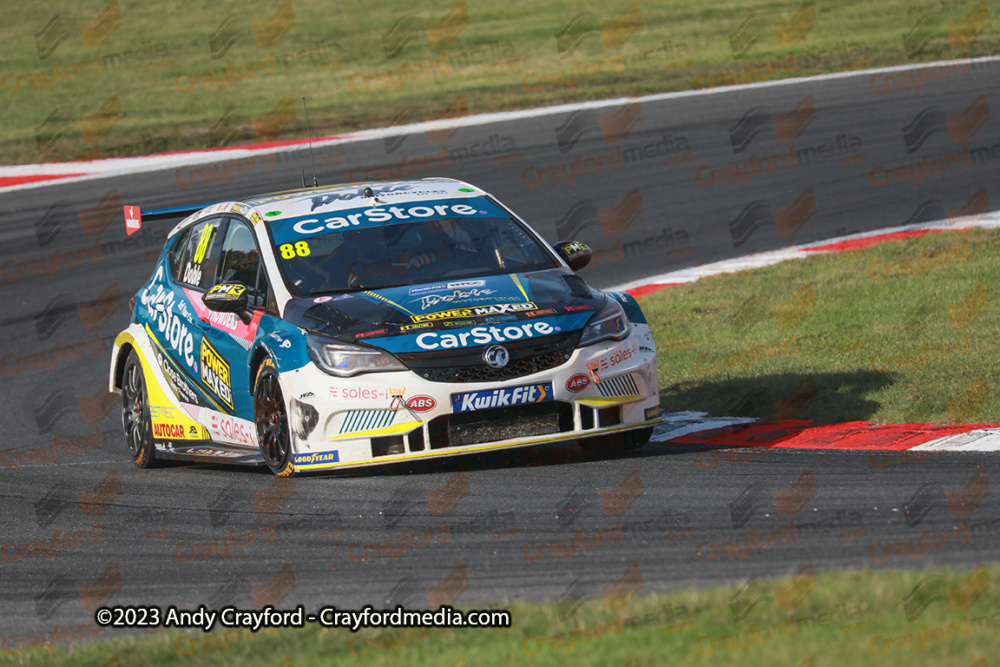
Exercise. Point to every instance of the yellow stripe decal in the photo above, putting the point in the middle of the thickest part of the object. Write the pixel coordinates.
(393, 303)
(513, 276)
(158, 398)
(454, 451)
(599, 402)
(404, 427)
(218, 408)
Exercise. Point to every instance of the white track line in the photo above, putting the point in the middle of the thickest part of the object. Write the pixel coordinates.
(676, 424)
(113, 166)
(982, 440)
(985, 221)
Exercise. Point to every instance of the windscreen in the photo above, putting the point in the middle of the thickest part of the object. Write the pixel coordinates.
(403, 244)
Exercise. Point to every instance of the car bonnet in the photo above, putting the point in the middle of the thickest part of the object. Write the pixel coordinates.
(432, 316)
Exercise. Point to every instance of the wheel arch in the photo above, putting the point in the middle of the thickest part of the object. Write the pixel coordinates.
(120, 361)
(259, 355)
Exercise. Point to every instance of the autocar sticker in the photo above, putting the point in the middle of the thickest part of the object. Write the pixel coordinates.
(176, 430)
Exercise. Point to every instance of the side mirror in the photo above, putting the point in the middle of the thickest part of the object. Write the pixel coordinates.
(228, 298)
(576, 254)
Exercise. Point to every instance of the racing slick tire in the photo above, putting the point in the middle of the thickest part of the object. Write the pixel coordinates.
(137, 424)
(622, 442)
(272, 420)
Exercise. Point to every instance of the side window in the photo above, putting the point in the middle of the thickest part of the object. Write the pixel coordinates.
(195, 258)
(241, 263)
(262, 296)
(177, 254)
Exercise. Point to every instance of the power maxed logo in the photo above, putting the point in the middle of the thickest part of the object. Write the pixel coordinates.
(215, 373)
(475, 311)
(498, 398)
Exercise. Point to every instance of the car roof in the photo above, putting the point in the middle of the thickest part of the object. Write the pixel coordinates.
(304, 201)
(296, 203)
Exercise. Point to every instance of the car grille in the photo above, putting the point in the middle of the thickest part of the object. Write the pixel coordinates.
(464, 365)
(496, 424)
(623, 385)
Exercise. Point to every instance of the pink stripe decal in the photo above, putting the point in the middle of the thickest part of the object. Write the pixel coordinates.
(227, 322)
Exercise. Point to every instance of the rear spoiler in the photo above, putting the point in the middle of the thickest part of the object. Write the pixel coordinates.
(173, 212)
(134, 215)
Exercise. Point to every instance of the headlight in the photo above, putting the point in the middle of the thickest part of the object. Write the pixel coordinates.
(608, 323)
(345, 360)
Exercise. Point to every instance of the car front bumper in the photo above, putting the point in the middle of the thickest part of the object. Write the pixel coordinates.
(379, 418)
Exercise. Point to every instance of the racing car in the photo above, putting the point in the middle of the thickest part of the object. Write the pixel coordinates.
(353, 325)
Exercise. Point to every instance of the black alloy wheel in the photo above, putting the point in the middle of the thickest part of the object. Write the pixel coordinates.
(137, 425)
(272, 421)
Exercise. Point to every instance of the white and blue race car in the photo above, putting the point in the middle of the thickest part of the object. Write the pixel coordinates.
(353, 325)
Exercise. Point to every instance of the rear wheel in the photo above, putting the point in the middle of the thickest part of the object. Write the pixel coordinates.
(137, 425)
(272, 420)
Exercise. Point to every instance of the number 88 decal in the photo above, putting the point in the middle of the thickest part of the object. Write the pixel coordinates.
(289, 251)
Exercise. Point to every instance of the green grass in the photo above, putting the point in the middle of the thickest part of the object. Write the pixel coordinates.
(843, 619)
(897, 332)
(493, 63)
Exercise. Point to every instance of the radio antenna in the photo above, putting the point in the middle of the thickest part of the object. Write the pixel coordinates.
(312, 158)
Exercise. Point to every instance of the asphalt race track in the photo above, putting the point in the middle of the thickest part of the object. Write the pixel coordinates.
(806, 161)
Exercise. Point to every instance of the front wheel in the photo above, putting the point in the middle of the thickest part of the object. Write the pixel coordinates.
(272, 421)
(637, 439)
(624, 441)
(137, 425)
